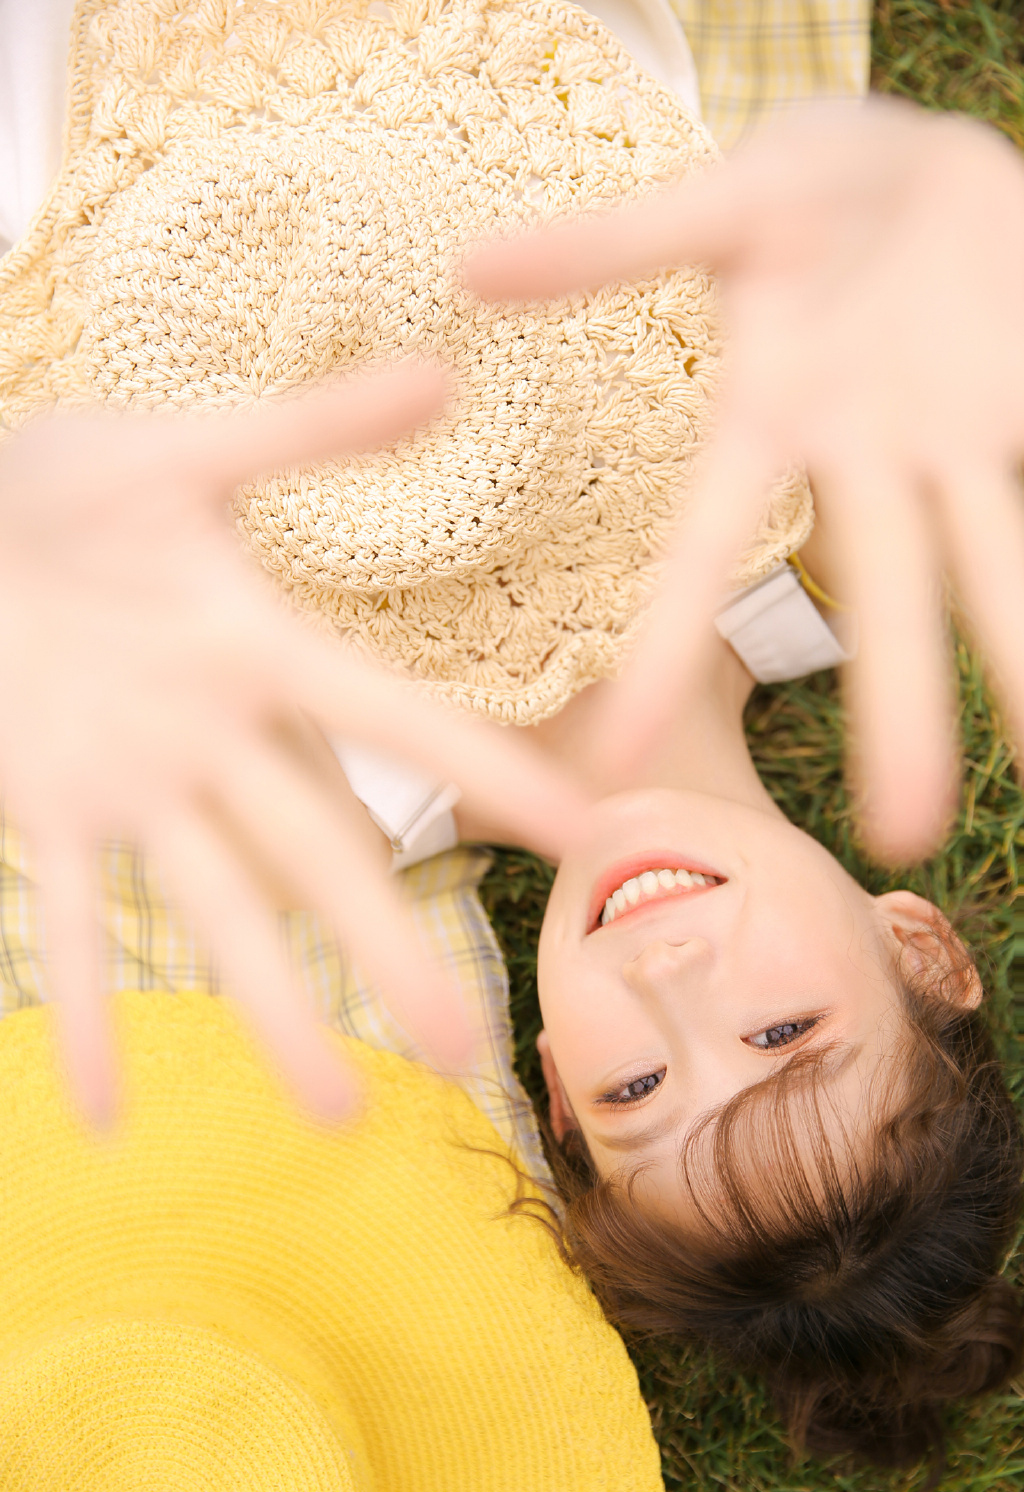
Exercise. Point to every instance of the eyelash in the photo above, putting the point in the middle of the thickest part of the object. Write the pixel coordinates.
(790, 1031)
(651, 1080)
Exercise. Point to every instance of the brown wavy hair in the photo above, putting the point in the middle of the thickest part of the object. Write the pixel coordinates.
(862, 1281)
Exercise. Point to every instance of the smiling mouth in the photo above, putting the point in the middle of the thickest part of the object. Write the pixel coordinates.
(628, 887)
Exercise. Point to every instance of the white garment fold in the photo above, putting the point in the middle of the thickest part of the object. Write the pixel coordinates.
(34, 41)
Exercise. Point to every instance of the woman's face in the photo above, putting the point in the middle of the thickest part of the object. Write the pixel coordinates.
(690, 993)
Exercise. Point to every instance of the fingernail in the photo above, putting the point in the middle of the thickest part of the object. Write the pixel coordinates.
(100, 1113)
(339, 1102)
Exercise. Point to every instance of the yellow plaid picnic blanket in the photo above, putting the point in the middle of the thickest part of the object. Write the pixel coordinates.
(149, 947)
(756, 56)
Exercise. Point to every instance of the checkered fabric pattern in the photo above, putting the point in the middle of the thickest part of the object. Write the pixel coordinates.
(756, 56)
(149, 947)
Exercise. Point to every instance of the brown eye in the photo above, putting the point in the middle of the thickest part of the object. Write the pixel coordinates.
(783, 1034)
(634, 1091)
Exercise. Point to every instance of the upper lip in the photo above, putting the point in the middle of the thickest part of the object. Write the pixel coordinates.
(635, 865)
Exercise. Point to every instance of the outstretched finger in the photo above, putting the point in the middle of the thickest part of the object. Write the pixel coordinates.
(795, 173)
(983, 518)
(338, 416)
(696, 222)
(208, 884)
(541, 805)
(677, 640)
(325, 846)
(899, 686)
(70, 901)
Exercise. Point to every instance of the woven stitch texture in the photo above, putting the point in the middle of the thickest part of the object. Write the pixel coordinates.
(261, 193)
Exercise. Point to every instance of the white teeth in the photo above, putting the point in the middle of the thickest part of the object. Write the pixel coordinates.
(650, 884)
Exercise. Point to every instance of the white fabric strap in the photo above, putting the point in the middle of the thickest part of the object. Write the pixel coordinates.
(778, 632)
(412, 809)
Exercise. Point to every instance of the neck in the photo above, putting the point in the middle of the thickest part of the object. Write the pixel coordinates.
(706, 751)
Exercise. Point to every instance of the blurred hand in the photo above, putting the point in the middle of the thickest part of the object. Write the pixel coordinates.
(872, 270)
(150, 680)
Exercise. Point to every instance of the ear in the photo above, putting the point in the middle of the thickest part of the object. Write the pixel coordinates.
(922, 932)
(562, 1117)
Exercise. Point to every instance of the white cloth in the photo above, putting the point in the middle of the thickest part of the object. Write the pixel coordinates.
(413, 810)
(35, 39)
(779, 633)
(34, 42)
(651, 32)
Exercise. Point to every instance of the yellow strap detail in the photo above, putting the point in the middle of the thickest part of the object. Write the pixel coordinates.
(813, 589)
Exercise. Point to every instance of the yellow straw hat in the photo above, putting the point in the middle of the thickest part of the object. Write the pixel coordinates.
(258, 193)
(224, 1296)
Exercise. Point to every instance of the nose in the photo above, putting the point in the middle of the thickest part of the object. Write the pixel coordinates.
(659, 967)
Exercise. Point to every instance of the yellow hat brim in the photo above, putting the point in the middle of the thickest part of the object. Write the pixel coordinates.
(367, 1280)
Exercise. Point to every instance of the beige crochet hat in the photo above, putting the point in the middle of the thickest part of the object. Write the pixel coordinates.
(257, 193)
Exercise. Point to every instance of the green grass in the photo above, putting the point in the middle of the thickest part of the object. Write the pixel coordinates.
(717, 1430)
(962, 54)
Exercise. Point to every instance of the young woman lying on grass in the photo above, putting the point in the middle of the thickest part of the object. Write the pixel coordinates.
(780, 1128)
(832, 1169)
